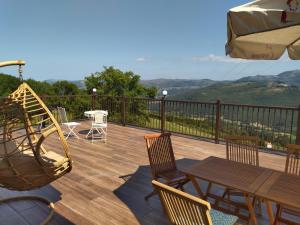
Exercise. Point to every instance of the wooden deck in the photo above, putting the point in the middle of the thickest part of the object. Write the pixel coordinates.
(109, 181)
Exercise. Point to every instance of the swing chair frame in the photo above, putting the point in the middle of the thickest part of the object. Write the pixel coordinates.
(26, 105)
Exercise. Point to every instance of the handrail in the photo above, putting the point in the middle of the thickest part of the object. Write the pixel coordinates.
(278, 125)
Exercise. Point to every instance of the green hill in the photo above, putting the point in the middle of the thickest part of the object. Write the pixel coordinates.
(177, 83)
(281, 89)
(270, 93)
(8, 84)
(288, 77)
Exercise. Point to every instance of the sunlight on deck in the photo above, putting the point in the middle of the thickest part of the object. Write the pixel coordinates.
(109, 181)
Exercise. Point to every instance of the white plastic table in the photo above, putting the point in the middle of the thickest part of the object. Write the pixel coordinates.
(91, 114)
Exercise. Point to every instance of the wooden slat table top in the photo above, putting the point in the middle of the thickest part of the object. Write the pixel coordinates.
(282, 188)
(246, 178)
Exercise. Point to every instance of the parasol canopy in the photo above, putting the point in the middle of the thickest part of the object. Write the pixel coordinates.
(264, 29)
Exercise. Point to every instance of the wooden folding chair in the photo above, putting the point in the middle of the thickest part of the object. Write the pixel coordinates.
(162, 161)
(242, 149)
(292, 167)
(185, 209)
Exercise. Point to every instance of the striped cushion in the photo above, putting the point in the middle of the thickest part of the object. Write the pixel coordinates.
(219, 218)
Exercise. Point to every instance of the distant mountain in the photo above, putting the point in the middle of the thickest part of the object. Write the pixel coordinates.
(245, 93)
(288, 77)
(175, 85)
(282, 89)
(51, 81)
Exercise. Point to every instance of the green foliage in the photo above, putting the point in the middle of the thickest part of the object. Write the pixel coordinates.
(114, 82)
(8, 84)
(74, 105)
(245, 93)
(40, 87)
(65, 88)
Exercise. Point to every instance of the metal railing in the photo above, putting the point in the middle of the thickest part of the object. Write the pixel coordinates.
(275, 126)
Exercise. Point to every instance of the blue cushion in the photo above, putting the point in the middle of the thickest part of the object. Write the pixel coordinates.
(219, 218)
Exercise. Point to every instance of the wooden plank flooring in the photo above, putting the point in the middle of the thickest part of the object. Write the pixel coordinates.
(109, 181)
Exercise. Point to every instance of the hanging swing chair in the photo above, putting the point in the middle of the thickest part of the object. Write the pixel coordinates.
(25, 125)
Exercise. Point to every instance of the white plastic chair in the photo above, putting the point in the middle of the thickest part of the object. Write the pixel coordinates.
(99, 125)
(64, 121)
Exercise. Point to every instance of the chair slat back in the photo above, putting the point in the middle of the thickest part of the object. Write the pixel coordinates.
(62, 114)
(292, 165)
(243, 149)
(160, 153)
(100, 118)
(182, 208)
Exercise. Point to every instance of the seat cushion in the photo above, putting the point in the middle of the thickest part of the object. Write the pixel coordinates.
(30, 172)
(220, 218)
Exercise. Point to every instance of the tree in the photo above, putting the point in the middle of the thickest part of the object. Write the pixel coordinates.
(65, 88)
(8, 84)
(40, 87)
(114, 82)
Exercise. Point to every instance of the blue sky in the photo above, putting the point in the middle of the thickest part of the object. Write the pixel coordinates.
(69, 39)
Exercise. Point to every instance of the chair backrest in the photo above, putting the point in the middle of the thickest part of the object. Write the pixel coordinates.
(183, 208)
(160, 153)
(243, 149)
(100, 117)
(62, 114)
(292, 165)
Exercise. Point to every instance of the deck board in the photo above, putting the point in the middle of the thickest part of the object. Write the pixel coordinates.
(109, 181)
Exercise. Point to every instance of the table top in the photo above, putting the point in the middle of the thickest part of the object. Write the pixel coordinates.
(281, 188)
(243, 177)
(93, 112)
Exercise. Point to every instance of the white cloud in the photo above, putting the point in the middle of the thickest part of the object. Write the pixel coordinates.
(217, 58)
(140, 59)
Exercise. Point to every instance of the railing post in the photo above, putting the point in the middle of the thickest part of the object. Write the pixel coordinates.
(218, 120)
(123, 111)
(162, 114)
(298, 127)
(93, 100)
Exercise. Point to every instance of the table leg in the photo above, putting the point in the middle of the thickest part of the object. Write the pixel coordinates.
(196, 186)
(251, 209)
(269, 211)
(208, 188)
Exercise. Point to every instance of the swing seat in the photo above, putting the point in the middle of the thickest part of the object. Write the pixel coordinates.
(25, 163)
(23, 172)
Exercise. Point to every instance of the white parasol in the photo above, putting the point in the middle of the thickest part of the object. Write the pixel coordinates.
(264, 29)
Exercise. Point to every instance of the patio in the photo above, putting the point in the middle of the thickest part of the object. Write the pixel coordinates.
(109, 181)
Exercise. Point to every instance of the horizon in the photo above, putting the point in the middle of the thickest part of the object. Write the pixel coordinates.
(188, 79)
(170, 39)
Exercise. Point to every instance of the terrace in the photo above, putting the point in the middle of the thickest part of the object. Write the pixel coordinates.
(109, 181)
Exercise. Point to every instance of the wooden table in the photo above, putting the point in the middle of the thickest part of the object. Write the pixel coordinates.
(245, 178)
(282, 189)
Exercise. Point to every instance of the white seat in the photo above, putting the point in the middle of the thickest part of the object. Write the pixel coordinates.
(64, 121)
(99, 125)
